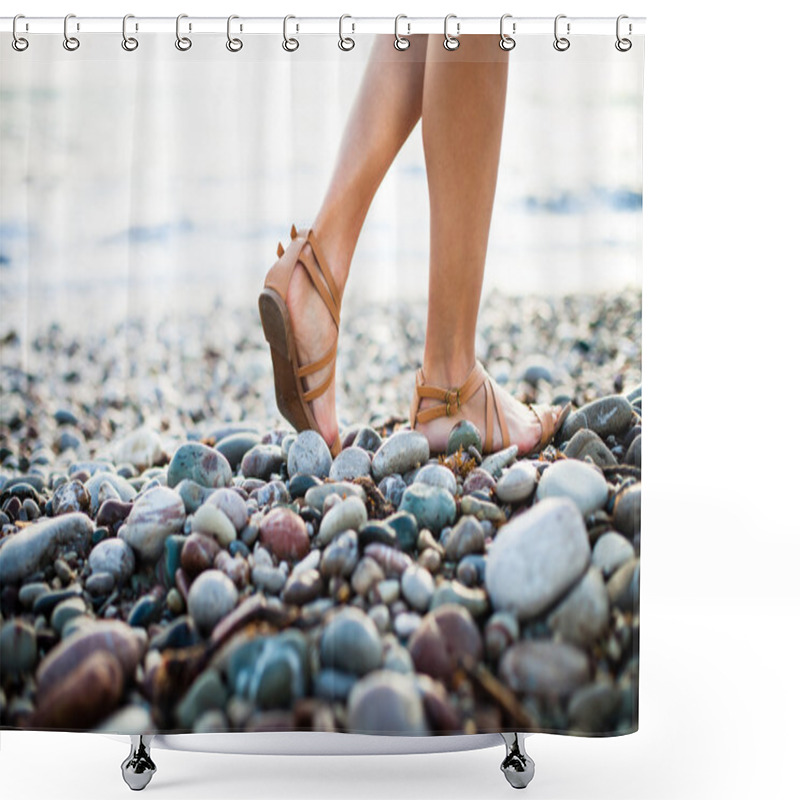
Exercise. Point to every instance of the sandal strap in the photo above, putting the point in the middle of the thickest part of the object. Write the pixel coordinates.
(491, 409)
(316, 366)
(323, 283)
(313, 394)
(450, 400)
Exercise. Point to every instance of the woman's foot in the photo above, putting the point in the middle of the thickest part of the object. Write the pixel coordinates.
(524, 428)
(315, 333)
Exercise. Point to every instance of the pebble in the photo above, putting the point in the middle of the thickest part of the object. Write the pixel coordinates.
(269, 579)
(235, 445)
(366, 574)
(471, 570)
(544, 668)
(212, 521)
(211, 597)
(65, 611)
(388, 591)
(445, 635)
(18, 648)
(594, 708)
(31, 592)
(587, 444)
(340, 556)
(432, 507)
(367, 438)
(123, 488)
(206, 693)
(379, 532)
(386, 702)
(627, 514)
(579, 481)
(405, 529)
(417, 586)
(391, 561)
(316, 495)
(633, 455)
(142, 448)
(111, 636)
(452, 592)
(302, 588)
(69, 497)
(309, 455)
(392, 488)
(437, 475)
(353, 462)
(350, 642)
(349, 514)
(284, 534)
(608, 416)
(192, 494)
(25, 551)
(478, 480)
(262, 461)
(401, 452)
(405, 623)
(465, 538)
(464, 435)
(100, 584)
(114, 556)
(482, 510)
(157, 513)
(197, 554)
(502, 630)
(610, 552)
(517, 484)
(623, 588)
(231, 504)
(497, 462)
(88, 694)
(582, 617)
(272, 494)
(536, 557)
(201, 464)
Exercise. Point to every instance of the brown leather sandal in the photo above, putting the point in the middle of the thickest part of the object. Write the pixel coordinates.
(292, 397)
(451, 400)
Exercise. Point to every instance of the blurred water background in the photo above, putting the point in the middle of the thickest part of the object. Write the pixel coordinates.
(157, 182)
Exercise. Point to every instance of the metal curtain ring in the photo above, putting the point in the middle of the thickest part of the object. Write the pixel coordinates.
(623, 45)
(451, 42)
(181, 42)
(506, 41)
(233, 44)
(400, 42)
(18, 42)
(345, 42)
(129, 43)
(289, 44)
(71, 43)
(561, 43)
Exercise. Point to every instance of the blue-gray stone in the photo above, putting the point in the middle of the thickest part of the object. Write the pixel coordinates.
(431, 506)
(199, 463)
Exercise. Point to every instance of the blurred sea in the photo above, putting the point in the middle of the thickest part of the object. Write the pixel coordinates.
(141, 183)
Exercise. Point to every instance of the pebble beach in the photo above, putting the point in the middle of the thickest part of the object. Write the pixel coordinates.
(174, 558)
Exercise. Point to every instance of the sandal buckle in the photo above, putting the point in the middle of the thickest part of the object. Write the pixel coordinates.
(452, 396)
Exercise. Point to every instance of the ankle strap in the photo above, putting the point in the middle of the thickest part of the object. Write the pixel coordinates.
(450, 400)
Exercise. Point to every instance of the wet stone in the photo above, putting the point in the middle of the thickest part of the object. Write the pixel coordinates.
(376, 532)
(405, 528)
(300, 484)
(368, 439)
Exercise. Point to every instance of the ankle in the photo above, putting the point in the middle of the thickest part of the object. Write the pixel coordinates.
(336, 250)
(448, 371)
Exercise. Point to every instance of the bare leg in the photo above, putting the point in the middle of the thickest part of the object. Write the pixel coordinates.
(385, 112)
(462, 123)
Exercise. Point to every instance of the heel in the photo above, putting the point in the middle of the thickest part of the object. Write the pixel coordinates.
(275, 322)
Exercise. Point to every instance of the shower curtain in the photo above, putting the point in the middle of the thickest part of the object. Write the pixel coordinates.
(174, 555)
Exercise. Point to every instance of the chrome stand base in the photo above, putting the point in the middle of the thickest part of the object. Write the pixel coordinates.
(138, 768)
(517, 766)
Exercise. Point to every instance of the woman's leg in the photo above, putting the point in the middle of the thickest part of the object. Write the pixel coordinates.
(462, 123)
(387, 108)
